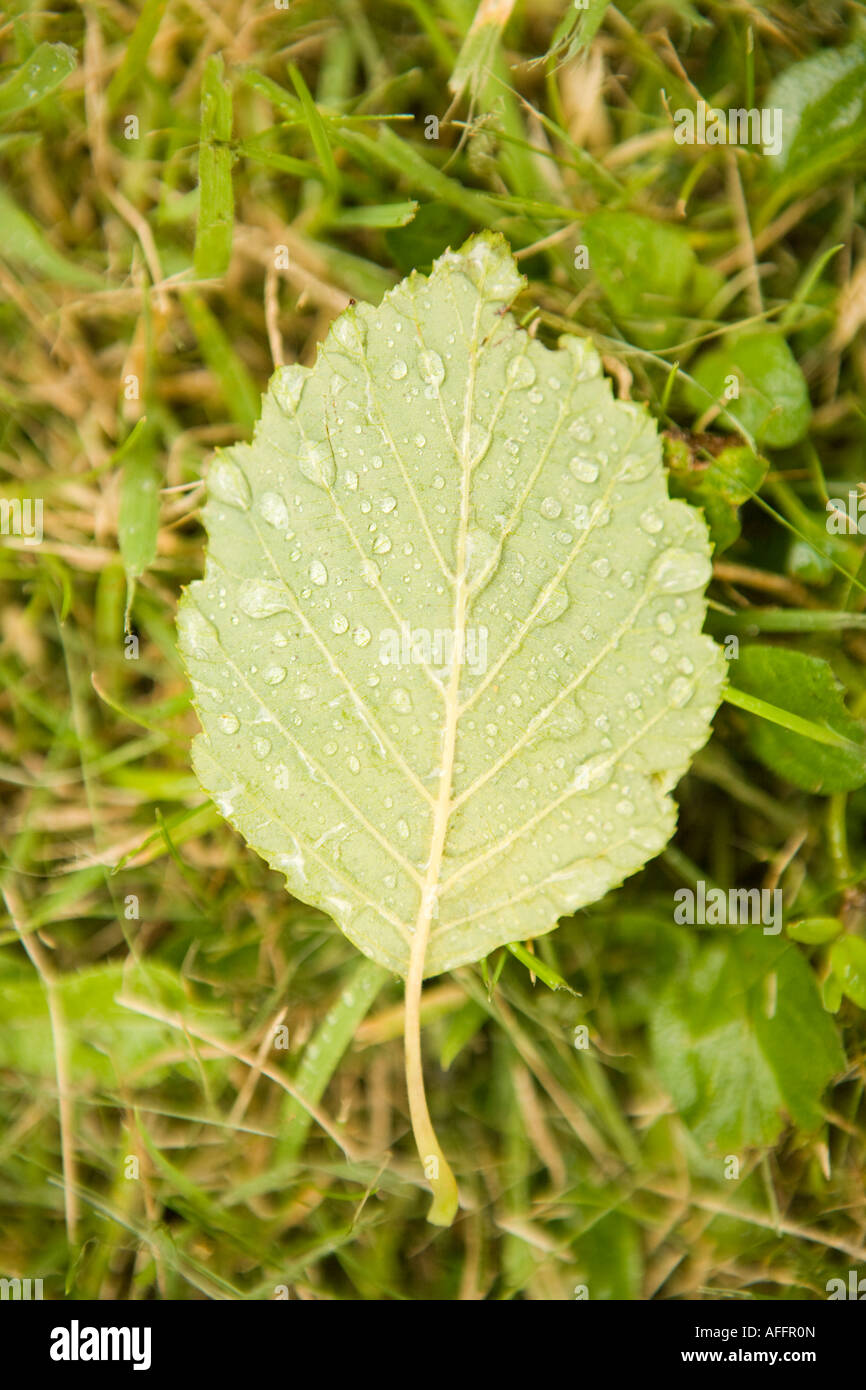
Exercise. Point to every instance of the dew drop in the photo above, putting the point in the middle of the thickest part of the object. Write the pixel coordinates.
(636, 467)
(583, 469)
(678, 571)
(681, 691)
(592, 773)
(651, 521)
(261, 747)
(388, 504)
(318, 573)
(229, 723)
(551, 507)
(227, 482)
(353, 764)
(520, 373)
(349, 333)
(400, 700)
(197, 634)
(432, 367)
(361, 636)
(339, 624)
(287, 385)
(665, 623)
(259, 598)
(316, 463)
(274, 510)
(274, 675)
(554, 607)
(398, 369)
(305, 691)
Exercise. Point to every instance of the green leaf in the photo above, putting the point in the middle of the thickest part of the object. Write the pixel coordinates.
(318, 132)
(608, 1258)
(823, 104)
(441, 471)
(442, 485)
(741, 1041)
(48, 66)
(848, 964)
(433, 228)
(815, 931)
(649, 274)
(137, 48)
(773, 401)
(213, 238)
(719, 484)
(806, 687)
(576, 30)
(376, 215)
(462, 1027)
(238, 388)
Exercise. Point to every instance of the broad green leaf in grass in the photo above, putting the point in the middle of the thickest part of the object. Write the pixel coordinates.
(772, 400)
(650, 275)
(804, 686)
(431, 231)
(848, 964)
(814, 931)
(447, 652)
(741, 1041)
(823, 105)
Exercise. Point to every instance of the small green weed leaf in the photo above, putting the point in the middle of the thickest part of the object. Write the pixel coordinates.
(848, 964)
(772, 402)
(431, 231)
(741, 1040)
(447, 652)
(649, 274)
(720, 484)
(823, 105)
(806, 687)
(815, 931)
